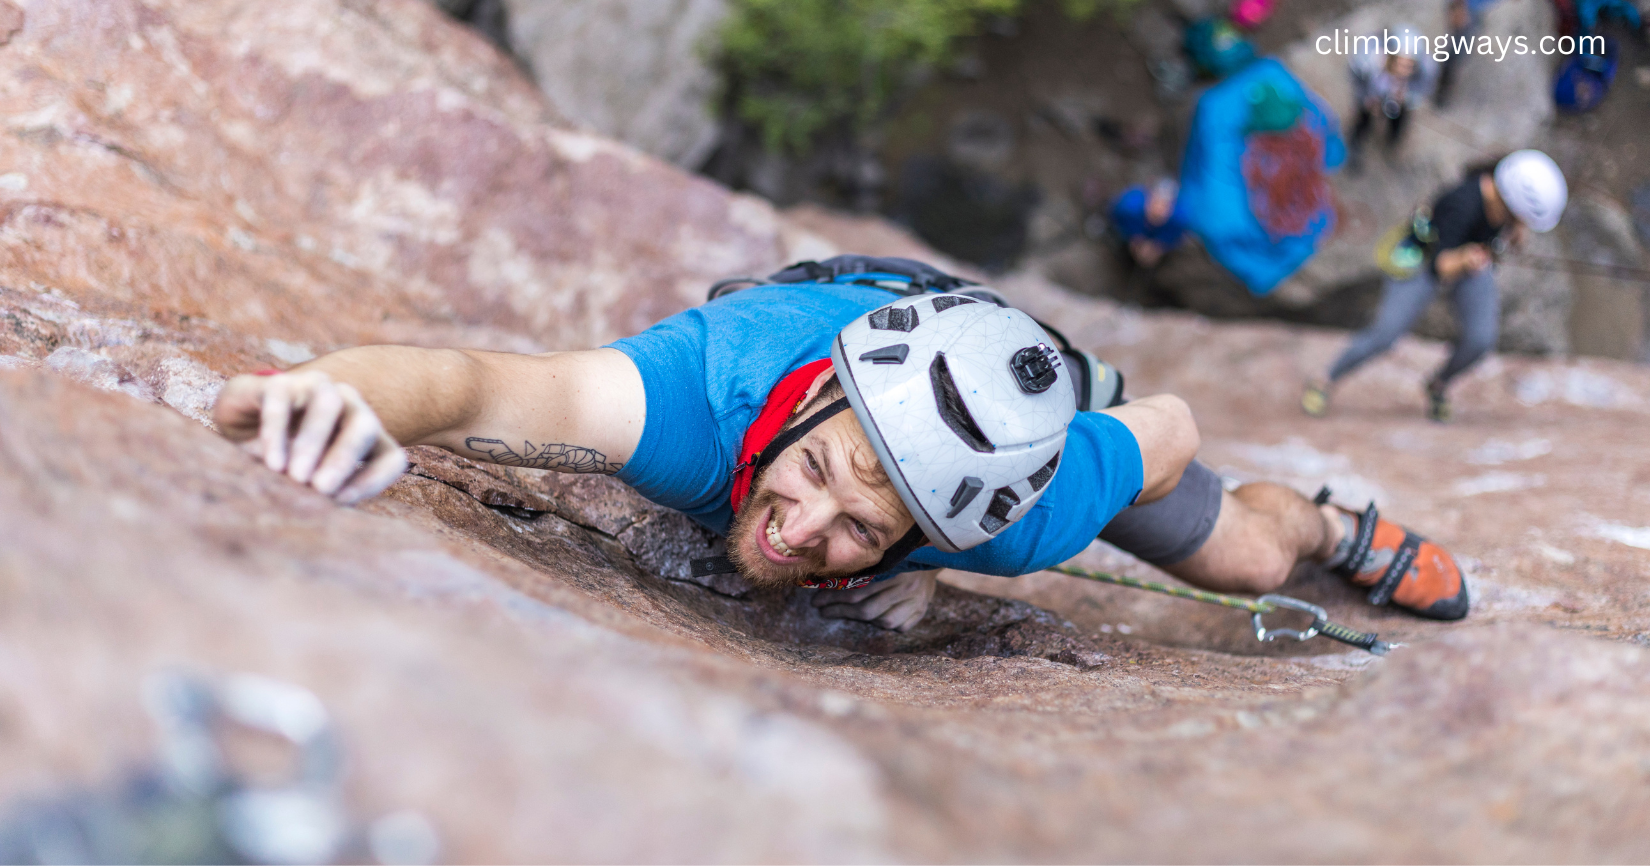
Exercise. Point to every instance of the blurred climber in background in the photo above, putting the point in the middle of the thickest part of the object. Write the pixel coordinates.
(1464, 19)
(849, 425)
(1149, 221)
(1389, 84)
(1454, 243)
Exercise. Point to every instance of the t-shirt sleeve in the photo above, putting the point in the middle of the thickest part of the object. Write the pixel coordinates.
(1101, 473)
(679, 462)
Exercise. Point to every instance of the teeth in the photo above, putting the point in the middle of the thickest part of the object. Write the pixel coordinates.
(774, 539)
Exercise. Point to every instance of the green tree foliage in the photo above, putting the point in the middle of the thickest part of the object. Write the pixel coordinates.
(797, 67)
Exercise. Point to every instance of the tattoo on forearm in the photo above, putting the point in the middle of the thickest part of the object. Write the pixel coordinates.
(558, 456)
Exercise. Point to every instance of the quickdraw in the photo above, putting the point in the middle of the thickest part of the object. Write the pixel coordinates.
(1257, 607)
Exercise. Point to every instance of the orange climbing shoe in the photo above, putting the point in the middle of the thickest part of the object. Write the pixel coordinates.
(1402, 568)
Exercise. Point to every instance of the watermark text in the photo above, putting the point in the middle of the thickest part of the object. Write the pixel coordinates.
(1442, 48)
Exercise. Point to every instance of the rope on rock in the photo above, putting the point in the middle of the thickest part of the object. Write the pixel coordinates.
(1257, 607)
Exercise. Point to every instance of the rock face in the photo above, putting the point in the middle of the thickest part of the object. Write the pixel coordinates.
(212, 186)
(635, 70)
(230, 164)
(1612, 314)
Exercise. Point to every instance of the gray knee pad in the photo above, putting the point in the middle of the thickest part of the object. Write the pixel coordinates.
(1174, 527)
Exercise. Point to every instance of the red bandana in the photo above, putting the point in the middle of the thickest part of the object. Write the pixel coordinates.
(784, 401)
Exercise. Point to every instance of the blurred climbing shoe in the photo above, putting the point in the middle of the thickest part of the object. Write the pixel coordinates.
(1398, 566)
(1437, 402)
(1315, 399)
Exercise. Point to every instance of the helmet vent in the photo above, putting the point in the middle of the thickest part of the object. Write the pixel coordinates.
(952, 408)
(967, 489)
(946, 302)
(894, 319)
(894, 354)
(996, 514)
(1041, 476)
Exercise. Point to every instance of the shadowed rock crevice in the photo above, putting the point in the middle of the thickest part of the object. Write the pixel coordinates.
(545, 518)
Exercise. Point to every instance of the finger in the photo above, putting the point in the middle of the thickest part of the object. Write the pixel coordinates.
(315, 431)
(868, 609)
(236, 411)
(355, 441)
(903, 616)
(276, 416)
(388, 464)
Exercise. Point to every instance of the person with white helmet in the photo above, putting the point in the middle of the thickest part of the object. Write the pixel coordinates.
(853, 427)
(1455, 243)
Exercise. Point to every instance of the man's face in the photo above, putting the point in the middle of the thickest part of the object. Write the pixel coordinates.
(1401, 67)
(817, 511)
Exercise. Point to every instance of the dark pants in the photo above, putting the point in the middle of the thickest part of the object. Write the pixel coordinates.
(1174, 527)
(1366, 120)
(1477, 304)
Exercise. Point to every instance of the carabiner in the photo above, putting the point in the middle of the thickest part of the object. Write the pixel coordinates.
(1320, 618)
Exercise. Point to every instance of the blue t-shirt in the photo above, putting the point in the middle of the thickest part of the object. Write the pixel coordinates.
(1128, 214)
(707, 373)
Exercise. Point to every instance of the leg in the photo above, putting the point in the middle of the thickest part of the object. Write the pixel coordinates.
(1264, 530)
(1355, 139)
(1395, 129)
(1246, 541)
(1360, 127)
(1446, 78)
(1402, 302)
(1478, 308)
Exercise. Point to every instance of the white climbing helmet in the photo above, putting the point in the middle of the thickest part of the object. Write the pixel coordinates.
(1533, 187)
(966, 404)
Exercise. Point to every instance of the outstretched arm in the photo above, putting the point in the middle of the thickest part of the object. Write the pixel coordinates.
(337, 423)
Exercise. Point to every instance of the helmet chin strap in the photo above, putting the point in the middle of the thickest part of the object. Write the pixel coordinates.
(791, 435)
(906, 546)
(900, 549)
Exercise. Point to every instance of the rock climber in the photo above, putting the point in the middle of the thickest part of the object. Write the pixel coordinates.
(1390, 84)
(1150, 221)
(1464, 19)
(1454, 243)
(845, 435)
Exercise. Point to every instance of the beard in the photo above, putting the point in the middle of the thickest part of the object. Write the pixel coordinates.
(745, 552)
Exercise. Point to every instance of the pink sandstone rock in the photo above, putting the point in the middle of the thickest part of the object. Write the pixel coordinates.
(199, 187)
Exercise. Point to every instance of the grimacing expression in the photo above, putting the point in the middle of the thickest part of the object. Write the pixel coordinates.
(823, 508)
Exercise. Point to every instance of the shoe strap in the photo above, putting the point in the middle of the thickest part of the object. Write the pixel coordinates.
(1361, 544)
(1401, 561)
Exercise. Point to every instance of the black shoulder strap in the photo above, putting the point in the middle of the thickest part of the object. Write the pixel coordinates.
(922, 277)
